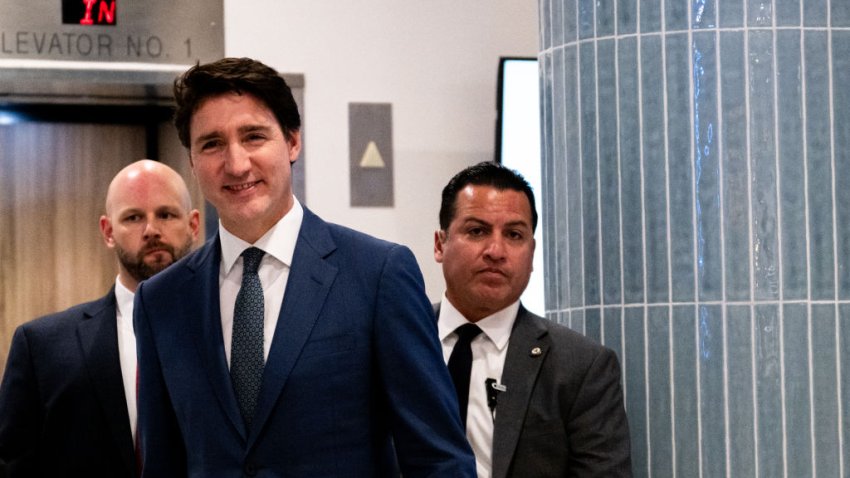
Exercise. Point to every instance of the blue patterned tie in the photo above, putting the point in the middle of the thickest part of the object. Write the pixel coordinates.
(246, 352)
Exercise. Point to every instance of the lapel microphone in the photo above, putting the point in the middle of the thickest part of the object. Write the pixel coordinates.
(494, 388)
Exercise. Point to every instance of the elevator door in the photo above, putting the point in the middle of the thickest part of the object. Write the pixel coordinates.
(53, 182)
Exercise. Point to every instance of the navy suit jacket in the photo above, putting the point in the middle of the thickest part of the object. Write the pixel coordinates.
(562, 413)
(62, 405)
(354, 373)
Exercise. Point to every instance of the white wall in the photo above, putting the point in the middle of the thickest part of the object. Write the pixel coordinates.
(435, 61)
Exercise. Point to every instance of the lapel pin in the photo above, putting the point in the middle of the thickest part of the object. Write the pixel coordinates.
(536, 352)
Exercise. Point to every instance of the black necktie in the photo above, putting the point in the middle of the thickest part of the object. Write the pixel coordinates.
(460, 365)
(246, 351)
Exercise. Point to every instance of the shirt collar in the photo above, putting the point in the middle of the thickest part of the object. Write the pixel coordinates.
(124, 301)
(278, 242)
(497, 327)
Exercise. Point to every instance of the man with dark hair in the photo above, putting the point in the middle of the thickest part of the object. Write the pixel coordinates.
(538, 399)
(68, 397)
(286, 346)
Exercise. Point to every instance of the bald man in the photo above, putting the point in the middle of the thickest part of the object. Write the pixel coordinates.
(68, 396)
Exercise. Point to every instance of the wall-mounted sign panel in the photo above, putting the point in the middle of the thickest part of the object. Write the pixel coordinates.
(141, 31)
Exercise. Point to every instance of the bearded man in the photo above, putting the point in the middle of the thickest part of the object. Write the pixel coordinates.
(68, 396)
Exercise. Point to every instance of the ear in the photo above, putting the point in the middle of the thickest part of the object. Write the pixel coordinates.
(106, 231)
(191, 161)
(439, 239)
(293, 141)
(533, 248)
(195, 224)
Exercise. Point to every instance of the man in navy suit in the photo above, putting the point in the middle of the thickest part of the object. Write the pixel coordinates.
(285, 346)
(68, 396)
(542, 400)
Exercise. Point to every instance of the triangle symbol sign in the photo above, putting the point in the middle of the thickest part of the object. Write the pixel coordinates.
(372, 157)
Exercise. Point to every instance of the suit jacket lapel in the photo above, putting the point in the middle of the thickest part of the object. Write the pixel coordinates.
(310, 280)
(519, 375)
(204, 311)
(98, 336)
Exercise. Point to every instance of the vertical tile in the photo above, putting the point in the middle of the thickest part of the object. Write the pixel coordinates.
(739, 366)
(825, 390)
(609, 191)
(556, 23)
(612, 330)
(626, 17)
(635, 386)
(706, 168)
(570, 21)
(593, 324)
(685, 411)
(577, 320)
(680, 177)
(736, 214)
(573, 178)
(590, 179)
(788, 13)
(711, 390)
(814, 13)
(844, 350)
(586, 21)
(650, 16)
(791, 166)
(840, 13)
(548, 100)
(676, 13)
(545, 24)
(605, 21)
(759, 13)
(731, 13)
(704, 14)
(553, 178)
(821, 257)
(763, 166)
(630, 179)
(565, 318)
(797, 404)
(660, 393)
(655, 176)
(841, 100)
(769, 390)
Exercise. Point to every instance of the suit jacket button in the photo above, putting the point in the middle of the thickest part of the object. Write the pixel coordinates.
(250, 469)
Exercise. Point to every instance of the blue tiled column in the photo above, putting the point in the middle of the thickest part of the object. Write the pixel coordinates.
(696, 167)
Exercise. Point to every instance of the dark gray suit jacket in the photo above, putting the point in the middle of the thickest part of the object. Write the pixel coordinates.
(62, 405)
(562, 413)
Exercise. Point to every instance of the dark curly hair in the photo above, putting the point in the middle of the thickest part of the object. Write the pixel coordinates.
(233, 75)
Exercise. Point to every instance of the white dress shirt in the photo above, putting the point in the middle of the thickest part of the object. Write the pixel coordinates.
(279, 246)
(489, 350)
(127, 349)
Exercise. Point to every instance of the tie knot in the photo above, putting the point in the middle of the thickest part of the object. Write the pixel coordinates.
(251, 258)
(467, 332)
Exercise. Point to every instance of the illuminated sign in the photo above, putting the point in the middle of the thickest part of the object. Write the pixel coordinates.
(89, 12)
(140, 31)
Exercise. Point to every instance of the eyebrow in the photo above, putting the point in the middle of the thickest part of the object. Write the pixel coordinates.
(242, 130)
(473, 219)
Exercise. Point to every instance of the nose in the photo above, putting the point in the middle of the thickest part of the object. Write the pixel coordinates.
(495, 249)
(236, 162)
(151, 229)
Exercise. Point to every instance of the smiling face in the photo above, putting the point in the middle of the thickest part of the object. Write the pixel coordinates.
(242, 161)
(148, 220)
(487, 250)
